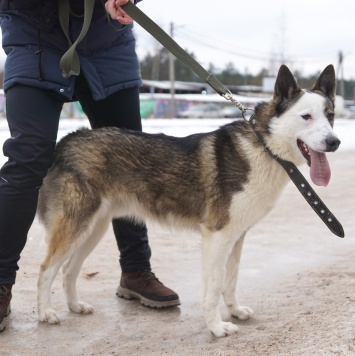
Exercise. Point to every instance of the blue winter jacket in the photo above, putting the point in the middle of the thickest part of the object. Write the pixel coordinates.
(107, 57)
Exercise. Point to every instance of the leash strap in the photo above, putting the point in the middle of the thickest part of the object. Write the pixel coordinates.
(295, 175)
(160, 35)
(304, 187)
(70, 63)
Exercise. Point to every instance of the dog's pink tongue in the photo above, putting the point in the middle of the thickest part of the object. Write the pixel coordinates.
(320, 170)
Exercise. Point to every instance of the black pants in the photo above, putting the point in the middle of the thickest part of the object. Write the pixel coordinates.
(33, 118)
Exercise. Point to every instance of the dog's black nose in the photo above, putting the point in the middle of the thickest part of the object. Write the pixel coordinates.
(332, 143)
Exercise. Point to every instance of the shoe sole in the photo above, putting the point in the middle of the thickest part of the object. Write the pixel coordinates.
(129, 294)
(2, 326)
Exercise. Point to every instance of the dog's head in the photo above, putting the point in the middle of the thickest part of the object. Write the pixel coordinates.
(301, 126)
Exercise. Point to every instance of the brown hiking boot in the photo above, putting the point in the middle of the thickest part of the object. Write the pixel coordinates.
(5, 298)
(143, 285)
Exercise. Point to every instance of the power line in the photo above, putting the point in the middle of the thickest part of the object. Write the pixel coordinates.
(197, 37)
(218, 48)
(220, 45)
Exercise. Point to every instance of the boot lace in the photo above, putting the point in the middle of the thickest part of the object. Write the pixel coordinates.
(148, 276)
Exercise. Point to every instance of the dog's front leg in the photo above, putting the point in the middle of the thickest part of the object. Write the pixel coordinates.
(216, 249)
(230, 283)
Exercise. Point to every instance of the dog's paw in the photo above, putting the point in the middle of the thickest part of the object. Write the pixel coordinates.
(80, 308)
(224, 329)
(242, 313)
(49, 316)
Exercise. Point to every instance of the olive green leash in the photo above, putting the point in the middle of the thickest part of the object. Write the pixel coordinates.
(70, 63)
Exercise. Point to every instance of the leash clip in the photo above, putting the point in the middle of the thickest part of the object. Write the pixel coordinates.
(229, 96)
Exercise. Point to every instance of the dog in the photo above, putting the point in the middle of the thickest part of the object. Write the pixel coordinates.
(219, 183)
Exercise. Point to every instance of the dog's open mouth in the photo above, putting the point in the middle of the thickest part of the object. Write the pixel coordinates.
(305, 151)
(320, 171)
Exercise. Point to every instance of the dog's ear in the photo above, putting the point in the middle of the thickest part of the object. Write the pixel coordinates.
(326, 83)
(285, 86)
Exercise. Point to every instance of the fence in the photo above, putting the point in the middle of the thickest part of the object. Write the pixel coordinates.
(153, 105)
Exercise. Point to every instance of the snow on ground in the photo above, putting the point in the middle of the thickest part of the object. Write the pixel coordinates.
(345, 128)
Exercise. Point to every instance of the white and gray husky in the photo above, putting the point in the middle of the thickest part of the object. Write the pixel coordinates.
(219, 184)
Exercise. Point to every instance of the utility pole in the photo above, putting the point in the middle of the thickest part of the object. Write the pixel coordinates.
(341, 69)
(156, 65)
(172, 76)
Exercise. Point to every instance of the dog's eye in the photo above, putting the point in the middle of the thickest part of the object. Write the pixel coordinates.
(306, 117)
(330, 116)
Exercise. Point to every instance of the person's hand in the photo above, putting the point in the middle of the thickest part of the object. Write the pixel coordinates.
(113, 7)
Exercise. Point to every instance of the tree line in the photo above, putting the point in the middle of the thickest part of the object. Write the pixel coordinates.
(156, 67)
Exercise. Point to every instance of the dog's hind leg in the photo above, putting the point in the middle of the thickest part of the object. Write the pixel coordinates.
(72, 266)
(230, 283)
(216, 249)
(58, 251)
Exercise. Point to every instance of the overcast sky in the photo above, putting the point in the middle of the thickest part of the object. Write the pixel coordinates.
(308, 34)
